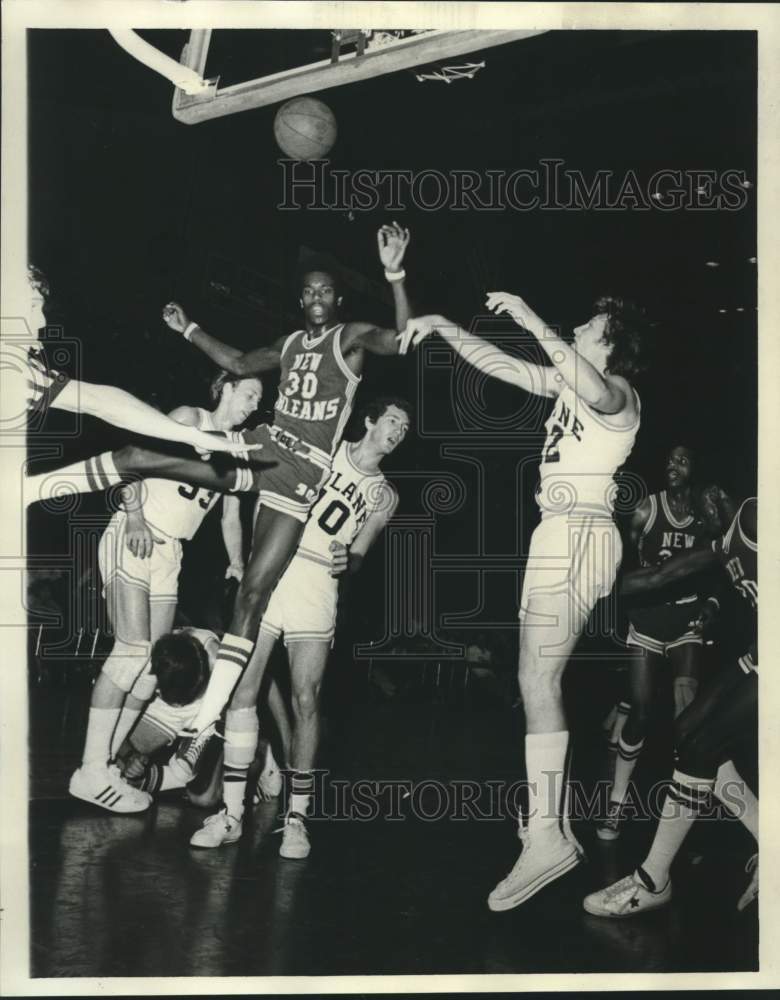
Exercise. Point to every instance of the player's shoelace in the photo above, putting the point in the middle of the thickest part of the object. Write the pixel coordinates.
(193, 746)
(625, 887)
(291, 819)
(221, 817)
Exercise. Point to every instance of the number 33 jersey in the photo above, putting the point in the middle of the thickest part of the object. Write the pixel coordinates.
(178, 509)
(345, 502)
(582, 453)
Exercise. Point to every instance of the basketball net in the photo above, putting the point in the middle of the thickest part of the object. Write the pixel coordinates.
(446, 74)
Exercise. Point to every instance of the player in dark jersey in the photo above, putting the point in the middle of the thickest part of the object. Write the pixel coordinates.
(724, 713)
(663, 524)
(321, 366)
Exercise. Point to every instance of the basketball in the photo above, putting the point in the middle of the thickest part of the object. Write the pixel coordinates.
(305, 128)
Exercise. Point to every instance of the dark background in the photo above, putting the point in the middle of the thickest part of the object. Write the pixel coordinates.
(130, 208)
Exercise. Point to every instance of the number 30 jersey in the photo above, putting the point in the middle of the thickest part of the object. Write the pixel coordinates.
(581, 454)
(347, 499)
(178, 509)
(316, 390)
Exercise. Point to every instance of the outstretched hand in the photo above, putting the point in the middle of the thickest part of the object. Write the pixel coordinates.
(417, 329)
(392, 241)
(205, 443)
(517, 308)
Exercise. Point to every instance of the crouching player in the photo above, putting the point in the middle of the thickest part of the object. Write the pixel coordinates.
(181, 665)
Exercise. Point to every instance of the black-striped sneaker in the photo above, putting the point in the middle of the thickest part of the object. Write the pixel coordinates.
(105, 787)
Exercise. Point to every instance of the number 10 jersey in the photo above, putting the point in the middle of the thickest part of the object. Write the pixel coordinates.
(347, 499)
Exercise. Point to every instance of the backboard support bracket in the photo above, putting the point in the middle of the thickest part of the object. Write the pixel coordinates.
(350, 67)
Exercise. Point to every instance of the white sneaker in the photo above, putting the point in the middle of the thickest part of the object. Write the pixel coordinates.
(105, 787)
(295, 840)
(751, 892)
(626, 898)
(217, 830)
(543, 859)
(522, 836)
(269, 781)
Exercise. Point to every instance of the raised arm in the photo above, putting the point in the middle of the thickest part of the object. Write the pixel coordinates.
(241, 363)
(671, 571)
(483, 355)
(607, 394)
(392, 241)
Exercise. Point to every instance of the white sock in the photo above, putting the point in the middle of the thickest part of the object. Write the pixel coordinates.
(685, 798)
(100, 729)
(90, 476)
(241, 737)
(733, 791)
(232, 658)
(545, 761)
(627, 756)
(621, 710)
(302, 789)
(127, 719)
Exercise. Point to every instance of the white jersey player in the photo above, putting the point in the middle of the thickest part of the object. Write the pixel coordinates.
(140, 557)
(350, 513)
(575, 551)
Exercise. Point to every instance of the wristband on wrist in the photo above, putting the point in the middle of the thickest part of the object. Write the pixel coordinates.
(189, 329)
(395, 275)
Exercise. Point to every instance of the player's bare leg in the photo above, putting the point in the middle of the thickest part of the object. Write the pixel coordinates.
(643, 671)
(95, 781)
(686, 662)
(277, 706)
(161, 617)
(548, 637)
(269, 780)
(308, 660)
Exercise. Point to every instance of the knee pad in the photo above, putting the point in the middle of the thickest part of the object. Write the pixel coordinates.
(126, 663)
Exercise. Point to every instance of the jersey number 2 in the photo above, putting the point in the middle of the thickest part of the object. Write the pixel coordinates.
(551, 453)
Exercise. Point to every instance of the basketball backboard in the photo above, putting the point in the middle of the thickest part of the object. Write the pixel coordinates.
(318, 61)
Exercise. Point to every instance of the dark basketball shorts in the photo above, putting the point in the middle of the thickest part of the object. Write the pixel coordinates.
(664, 627)
(293, 484)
